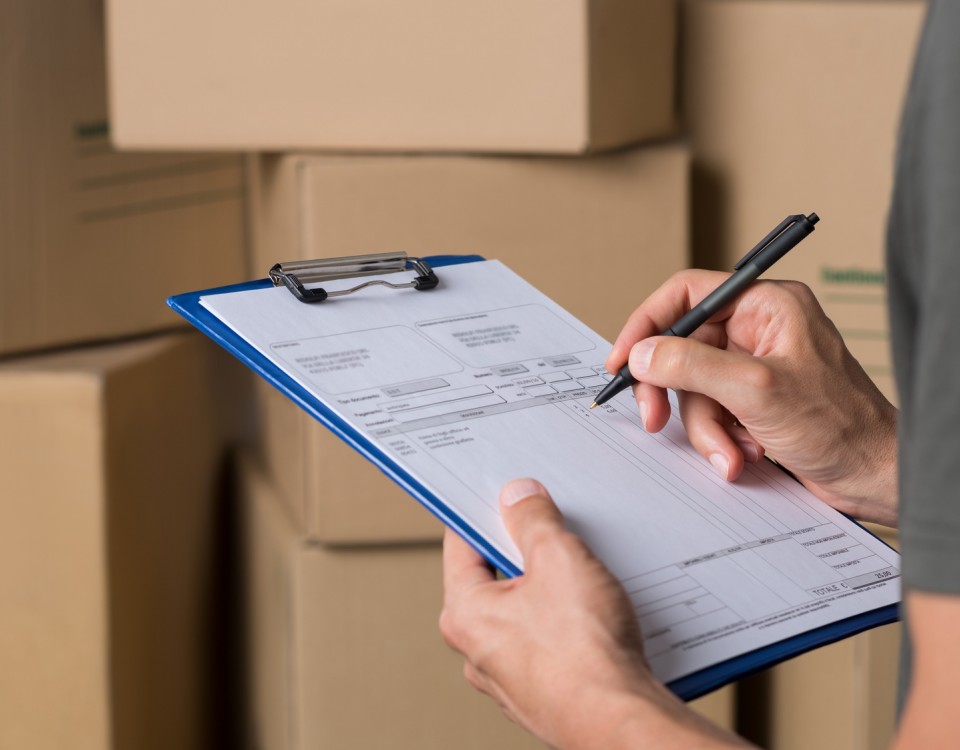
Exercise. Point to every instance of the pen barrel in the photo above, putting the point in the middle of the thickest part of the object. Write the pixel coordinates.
(743, 277)
(714, 302)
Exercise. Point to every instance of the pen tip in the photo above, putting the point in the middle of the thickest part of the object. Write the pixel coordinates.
(593, 405)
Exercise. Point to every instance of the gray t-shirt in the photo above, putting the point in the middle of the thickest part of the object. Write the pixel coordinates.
(923, 261)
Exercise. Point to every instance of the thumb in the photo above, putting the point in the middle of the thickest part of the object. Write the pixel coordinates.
(737, 381)
(529, 514)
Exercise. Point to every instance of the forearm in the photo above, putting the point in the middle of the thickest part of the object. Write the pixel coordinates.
(930, 717)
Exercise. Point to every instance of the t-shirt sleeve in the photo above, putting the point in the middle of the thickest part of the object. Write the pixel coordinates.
(924, 291)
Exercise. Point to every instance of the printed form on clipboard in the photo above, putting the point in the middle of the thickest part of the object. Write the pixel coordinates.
(455, 391)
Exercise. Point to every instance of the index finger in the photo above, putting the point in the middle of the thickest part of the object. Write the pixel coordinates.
(463, 566)
(675, 297)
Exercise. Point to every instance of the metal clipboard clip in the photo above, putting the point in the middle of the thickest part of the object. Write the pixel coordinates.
(295, 274)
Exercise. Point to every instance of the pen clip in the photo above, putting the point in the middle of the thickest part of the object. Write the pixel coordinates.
(776, 232)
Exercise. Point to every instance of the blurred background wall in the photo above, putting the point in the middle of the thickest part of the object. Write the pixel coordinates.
(186, 560)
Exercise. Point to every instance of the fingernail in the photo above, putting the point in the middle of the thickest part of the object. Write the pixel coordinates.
(640, 357)
(721, 464)
(520, 489)
(643, 414)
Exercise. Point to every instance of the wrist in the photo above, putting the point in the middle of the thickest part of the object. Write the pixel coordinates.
(886, 505)
(874, 496)
(651, 716)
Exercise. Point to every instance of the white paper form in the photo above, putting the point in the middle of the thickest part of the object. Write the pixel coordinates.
(485, 379)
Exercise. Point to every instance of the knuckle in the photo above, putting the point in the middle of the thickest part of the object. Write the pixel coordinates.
(568, 552)
(800, 293)
(539, 544)
(759, 377)
(674, 360)
(685, 276)
(689, 280)
(541, 535)
(676, 285)
(471, 676)
(450, 629)
(570, 544)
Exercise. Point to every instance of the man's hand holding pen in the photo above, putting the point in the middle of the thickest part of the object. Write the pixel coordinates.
(769, 375)
(778, 242)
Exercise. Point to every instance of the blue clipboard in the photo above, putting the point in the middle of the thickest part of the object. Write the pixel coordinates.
(687, 688)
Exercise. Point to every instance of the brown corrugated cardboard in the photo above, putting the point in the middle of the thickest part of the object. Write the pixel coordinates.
(535, 76)
(344, 649)
(91, 241)
(596, 234)
(110, 458)
(793, 106)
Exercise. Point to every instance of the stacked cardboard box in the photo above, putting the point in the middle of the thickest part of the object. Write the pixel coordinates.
(110, 461)
(92, 241)
(531, 76)
(111, 454)
(793, 106)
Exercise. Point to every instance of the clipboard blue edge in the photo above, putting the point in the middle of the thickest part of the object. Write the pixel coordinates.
(687, 688)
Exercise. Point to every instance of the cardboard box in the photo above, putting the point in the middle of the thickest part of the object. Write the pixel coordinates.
(596, 234)
(793, 106)
(91, 241)
(110, 463)
(499, 76)
(344, 649)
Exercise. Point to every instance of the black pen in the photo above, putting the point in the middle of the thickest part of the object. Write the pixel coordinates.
(786, 236)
